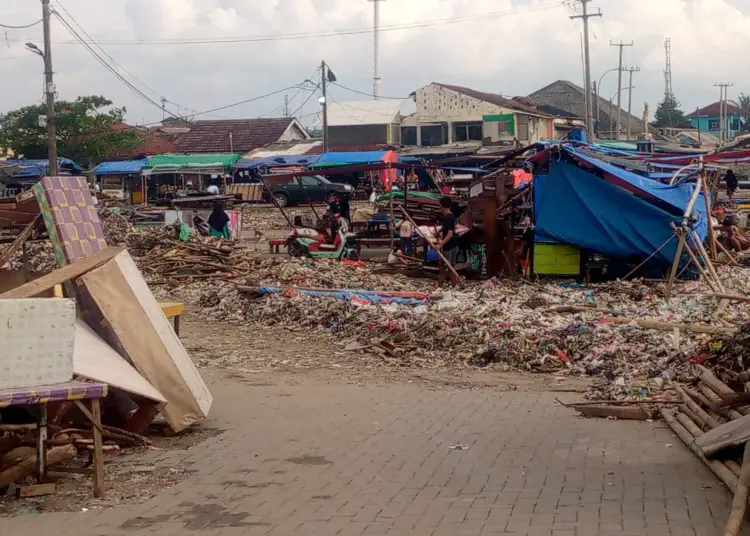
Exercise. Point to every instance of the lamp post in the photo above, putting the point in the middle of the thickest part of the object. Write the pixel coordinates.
(599, 90)
(49, 90)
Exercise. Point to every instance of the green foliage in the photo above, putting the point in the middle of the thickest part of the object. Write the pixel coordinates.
(669, 114)
(84, 130)
(744, 103)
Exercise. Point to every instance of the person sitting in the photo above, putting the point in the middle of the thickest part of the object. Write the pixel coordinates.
(218, 221)
(733, 237)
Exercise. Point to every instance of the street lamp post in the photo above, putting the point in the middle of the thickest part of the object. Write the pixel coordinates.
(599, 90)
(49, 90)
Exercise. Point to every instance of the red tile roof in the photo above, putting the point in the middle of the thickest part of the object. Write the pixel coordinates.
(247, 134)
(712, 110)
(152, 143)
(522, 104)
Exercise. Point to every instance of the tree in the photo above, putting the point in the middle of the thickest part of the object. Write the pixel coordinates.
(669, 114)
(744, 103)
(86, 130)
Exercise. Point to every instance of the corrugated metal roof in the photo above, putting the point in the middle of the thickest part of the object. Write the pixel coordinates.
(124, 167)
(287, 148)
(191, 160)
(39, 167)
(516, 103)
(372, 112)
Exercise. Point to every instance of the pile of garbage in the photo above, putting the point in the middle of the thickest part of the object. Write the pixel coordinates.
(268, 217)
(116, 225)
(41, 257)
(565, 328)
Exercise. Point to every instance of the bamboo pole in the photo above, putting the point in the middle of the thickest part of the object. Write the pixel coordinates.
(676, 262)
(695, 408)
(740, 496)
(711, 237)
(720, 470)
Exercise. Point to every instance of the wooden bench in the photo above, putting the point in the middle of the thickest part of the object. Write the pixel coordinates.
(274, 245)
(173, 310)
(75, 392)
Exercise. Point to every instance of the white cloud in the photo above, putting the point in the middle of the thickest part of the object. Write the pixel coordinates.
(508, 53)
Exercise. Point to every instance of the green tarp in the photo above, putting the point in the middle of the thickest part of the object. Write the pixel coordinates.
(504, 118)
(192, 161)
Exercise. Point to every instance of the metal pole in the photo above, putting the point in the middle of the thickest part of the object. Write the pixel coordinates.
(325, 105)
(376, 50)
(587, 66)
(49, 88)
(619, 96)
(630, 101)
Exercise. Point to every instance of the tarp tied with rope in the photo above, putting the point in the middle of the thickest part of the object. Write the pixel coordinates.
(600, 207)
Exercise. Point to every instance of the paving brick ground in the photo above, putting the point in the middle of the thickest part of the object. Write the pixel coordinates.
(316, 457)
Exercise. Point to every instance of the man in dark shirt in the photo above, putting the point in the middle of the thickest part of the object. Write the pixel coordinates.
(448, 242)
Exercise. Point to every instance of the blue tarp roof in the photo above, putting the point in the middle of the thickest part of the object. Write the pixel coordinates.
(360, 157)
(124, 167)
(277, 161)
(38, 167)
(621, 214)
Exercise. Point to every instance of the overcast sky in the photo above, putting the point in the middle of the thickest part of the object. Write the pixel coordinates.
(513, 47)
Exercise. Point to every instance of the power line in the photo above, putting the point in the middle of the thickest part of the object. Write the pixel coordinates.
(20, 27)
(367, 94)
(114, 62)
(310, 96)
(330, 33)
(111, 69)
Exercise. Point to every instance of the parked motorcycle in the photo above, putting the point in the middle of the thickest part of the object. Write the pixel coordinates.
(307, 242)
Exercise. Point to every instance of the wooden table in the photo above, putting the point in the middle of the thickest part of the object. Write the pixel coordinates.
(174, 311)
(73, 391)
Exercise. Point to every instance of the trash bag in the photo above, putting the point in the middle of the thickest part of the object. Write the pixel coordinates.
(185, 232)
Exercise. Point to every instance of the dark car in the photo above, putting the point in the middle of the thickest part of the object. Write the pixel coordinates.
(314, 189)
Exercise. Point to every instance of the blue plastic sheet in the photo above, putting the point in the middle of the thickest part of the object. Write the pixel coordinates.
(364, 295)
(619, 213)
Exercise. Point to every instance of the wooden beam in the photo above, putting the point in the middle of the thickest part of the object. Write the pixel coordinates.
(61, 275)
(19, 241)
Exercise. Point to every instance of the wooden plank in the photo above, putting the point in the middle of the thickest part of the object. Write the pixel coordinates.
(61, 275)
(617, 412)
(96, 423)
(145, 335)
(95, 360)
(38, 490)
(19, 241)
(729, 434)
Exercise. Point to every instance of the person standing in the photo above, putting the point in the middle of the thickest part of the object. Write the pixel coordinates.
(448, 243)
(731, 180)
(405, 241)
(218, 221)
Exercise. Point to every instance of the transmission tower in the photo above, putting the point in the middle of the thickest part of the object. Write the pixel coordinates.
(668, 70)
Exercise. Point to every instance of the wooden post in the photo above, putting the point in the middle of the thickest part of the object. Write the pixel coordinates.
(98, 451)
(739, 503)
(677, 257)
(391, 225)
(41, 455)
(709, 225)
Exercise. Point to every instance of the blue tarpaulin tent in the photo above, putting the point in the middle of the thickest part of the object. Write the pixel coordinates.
(122, 167)
(610, 210)
(277, 161)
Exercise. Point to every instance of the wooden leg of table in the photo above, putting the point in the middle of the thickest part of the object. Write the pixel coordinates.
(96, 411)
(177, 324)
(41, 439)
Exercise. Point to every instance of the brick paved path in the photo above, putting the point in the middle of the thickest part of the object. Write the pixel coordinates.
(320, 458)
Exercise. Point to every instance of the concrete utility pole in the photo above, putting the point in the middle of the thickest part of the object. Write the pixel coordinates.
(49, 88)
(286, 106)
(619, 84)
(587, 69)
(376, 49)
(723, 109)
(324, 103)
(630, 70)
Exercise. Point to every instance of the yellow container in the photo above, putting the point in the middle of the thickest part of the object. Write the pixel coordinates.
(557, 259)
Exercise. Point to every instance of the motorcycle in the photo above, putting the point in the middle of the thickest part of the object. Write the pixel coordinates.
(307, 242)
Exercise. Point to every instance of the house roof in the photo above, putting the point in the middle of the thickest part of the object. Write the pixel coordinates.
(288, 148)
(557, 112)
(152, 143)
(713, 110)
(522, 104)
(122, 167)
(247, 134)
(372, 112)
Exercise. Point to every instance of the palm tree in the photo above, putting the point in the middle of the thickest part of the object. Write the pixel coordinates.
(744, 103)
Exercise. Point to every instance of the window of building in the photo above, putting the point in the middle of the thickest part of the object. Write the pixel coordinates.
(467, 131)
(735, 123)
(713, 124)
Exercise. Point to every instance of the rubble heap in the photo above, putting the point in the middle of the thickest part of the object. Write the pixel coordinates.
(552, 327)
(116, 225)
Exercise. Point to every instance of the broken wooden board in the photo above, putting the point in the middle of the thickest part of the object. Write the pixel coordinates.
(617, 412)
(729, 434)
(127, 311)
(61, 275)
(37, 341)
(37, 490)
(95, 360)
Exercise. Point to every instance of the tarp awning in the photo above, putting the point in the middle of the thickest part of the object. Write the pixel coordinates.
(181, 161)
(277, 161)
(124, 167)
(336, 159)
(609, 210)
